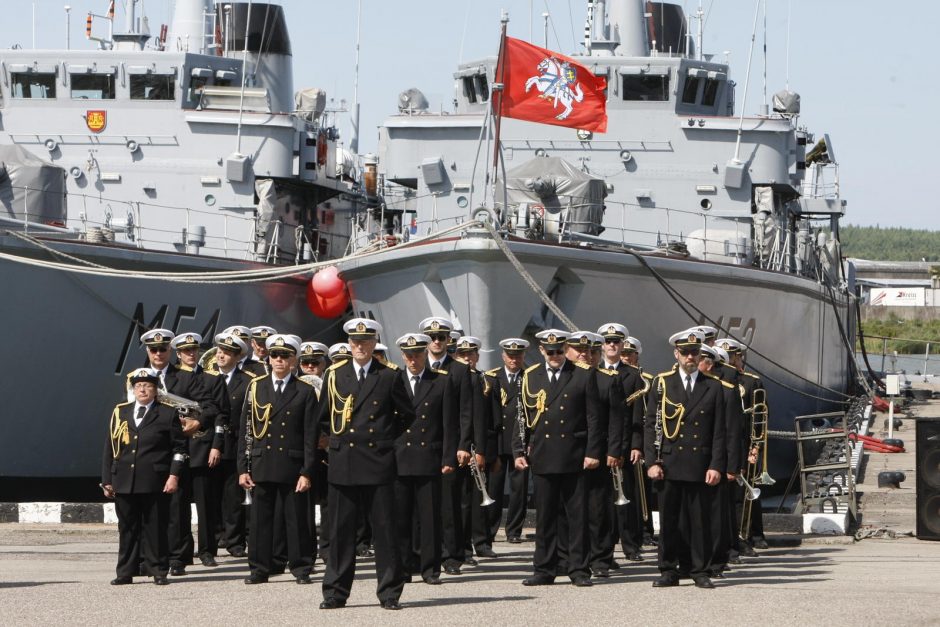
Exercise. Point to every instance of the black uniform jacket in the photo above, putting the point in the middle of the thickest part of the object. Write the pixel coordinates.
(699, 445)
(504, 403)
(288, 439)
(191, 386)
(210, 437)
(472, 430)
(362, 451)
(734, 415)
(430, 438)
(235, 393)
(568, 429)
(633, 385)
(749, 383)
(144, 455)
(611, 411)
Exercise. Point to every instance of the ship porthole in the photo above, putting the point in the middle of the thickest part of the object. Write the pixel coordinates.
(462, 202)
(210, 200)
(706, 204)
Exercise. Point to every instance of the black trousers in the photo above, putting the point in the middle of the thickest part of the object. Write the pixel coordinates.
(377, 502)
(180, 532)
(233, 514)
(630, 525)
(725, 535)
(418, 508)
(686, 527)
(554, 493)
(263, 529)
(455, 519)
(206, 497)
(516, 503)
(600, 516)
(480, 516)
(143, 547)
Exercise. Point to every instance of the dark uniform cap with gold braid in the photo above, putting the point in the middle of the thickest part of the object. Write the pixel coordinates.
(231, 342)
(186, 340)
(157, 337)
(413, 342)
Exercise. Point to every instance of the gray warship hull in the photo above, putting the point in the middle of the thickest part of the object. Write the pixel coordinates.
(791, 324)
(72, 337)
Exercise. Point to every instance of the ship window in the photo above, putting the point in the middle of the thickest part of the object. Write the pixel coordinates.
(470, 89)
(32, 85)
(690, 91)
(711, 92)
(93, 86)
(482, 87)
(153, 86)
(647, 88)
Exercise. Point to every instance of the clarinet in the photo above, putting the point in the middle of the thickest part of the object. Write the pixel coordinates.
(248, 443)
(659, 421)
(520, 416)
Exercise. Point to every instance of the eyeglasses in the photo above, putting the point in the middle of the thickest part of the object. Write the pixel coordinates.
(553, 352)
(688, 351)
(157, 349)
(612, 340)
(280, 356)
(439, 337)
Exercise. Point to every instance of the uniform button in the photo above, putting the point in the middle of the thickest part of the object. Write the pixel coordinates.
(282, 436)
(283, 424)
(352, 444)
(407, 443)
(371, 430)
(375, 402)
(694, 436)
(546, 436)
(132, 465)
(681, 435)
(407, 430)
(424, 430)
(425, 403)
(371, 417)
(423, 444)
(288, 413)
(423, 417)
(562, 435)
(561, 408)
(564, 396)
(695, 424)
(280, 448)
(269, 435)
(269, 446)
(694, 448)
(680, 448)
(562, 421)
(352, 430)
(371, 445)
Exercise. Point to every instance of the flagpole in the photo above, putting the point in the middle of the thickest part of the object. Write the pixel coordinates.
(498, 91)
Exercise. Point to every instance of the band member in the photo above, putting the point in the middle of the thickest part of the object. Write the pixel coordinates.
(425, 451)
(685, 449)
(455, 486)
(381, 350)
(750, 526)
(312, 359)
(143, 455)
(560, 403)
(259, 338)
(277, 463)
(248, 363)
(504, 398)
(229, 351)
(312, 362)
(205, 453)
(365, 408)
(339, 352)
(630, 355)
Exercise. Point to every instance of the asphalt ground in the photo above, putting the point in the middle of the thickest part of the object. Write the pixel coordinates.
(59, 574)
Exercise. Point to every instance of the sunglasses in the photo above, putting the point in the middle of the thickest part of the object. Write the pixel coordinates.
(280, 355)
(553, 352)
(439, 337)
(612, 340)
(157, 349)
(688, 351)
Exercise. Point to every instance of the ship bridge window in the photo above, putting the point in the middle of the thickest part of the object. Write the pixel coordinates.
(476, 88)
(153, 86)
(690, 89)
(93, 86)
(650, 88)
(32, 85)
(710, 94)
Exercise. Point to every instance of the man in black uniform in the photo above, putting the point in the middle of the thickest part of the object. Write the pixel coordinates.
(365, 408)
(504, 397)
(247, 362)
(259, 338)
(425, 451)
(560, 402)
(685, 439)
(143, 455)
(455, 487)
(630, 356)
(229, 350)
(277, 463)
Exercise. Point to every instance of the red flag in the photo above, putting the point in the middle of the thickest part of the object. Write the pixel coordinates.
(550, 88)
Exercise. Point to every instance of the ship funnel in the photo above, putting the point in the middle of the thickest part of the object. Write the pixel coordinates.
(627, 25)
(191, 25)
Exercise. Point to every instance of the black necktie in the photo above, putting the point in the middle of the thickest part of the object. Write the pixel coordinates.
(414, 383)
(553, 376)
(278, 387)
(436, 365)
(140, 414)
(362, 375)
(688, 386)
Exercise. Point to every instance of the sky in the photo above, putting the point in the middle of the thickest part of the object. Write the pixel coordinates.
(857, 66)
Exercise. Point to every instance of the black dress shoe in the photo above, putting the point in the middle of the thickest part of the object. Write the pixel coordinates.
(122, 581)
(331, 603)
(734, 560)
(304, 580)
(237, 551)
(746, 550)
(160, 580)
(582, 582)
(718, 575)
(649, 541)
(177, 571)
(251, 580)
(452, 569)
(634, 557)
(759, 543)
(364, 551)
(614, 565)
(433, 580)
(704, 582)
(391, 604)
(486, 552)
(469, 561)
(514, 540)
(602, 573)
(208, 561)
(666, 581)
(538, 580)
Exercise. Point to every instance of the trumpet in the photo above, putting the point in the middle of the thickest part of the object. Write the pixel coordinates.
(641, 488)
(479, 478)
(617, 474)
(750, 492)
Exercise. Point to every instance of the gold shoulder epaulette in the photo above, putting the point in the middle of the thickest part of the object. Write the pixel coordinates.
(667, 372)
(299, 380)
(337, 365)
(646, 376)
(438, 371)
(213, 373)
(582, 365)
(185, 368)
(610, 373)
(392, 365)
(494, 372)
(260, 377)
(165, 404)
(723, 383)
(531, 368)
(124, 404)
(749, 374)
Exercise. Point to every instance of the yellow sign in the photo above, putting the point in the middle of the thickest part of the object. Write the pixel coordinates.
(96, 119)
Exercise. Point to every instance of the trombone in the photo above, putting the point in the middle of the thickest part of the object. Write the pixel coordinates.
(641, 488)
(758, 441)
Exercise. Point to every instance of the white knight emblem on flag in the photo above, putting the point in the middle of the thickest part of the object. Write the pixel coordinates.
(559, 81)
